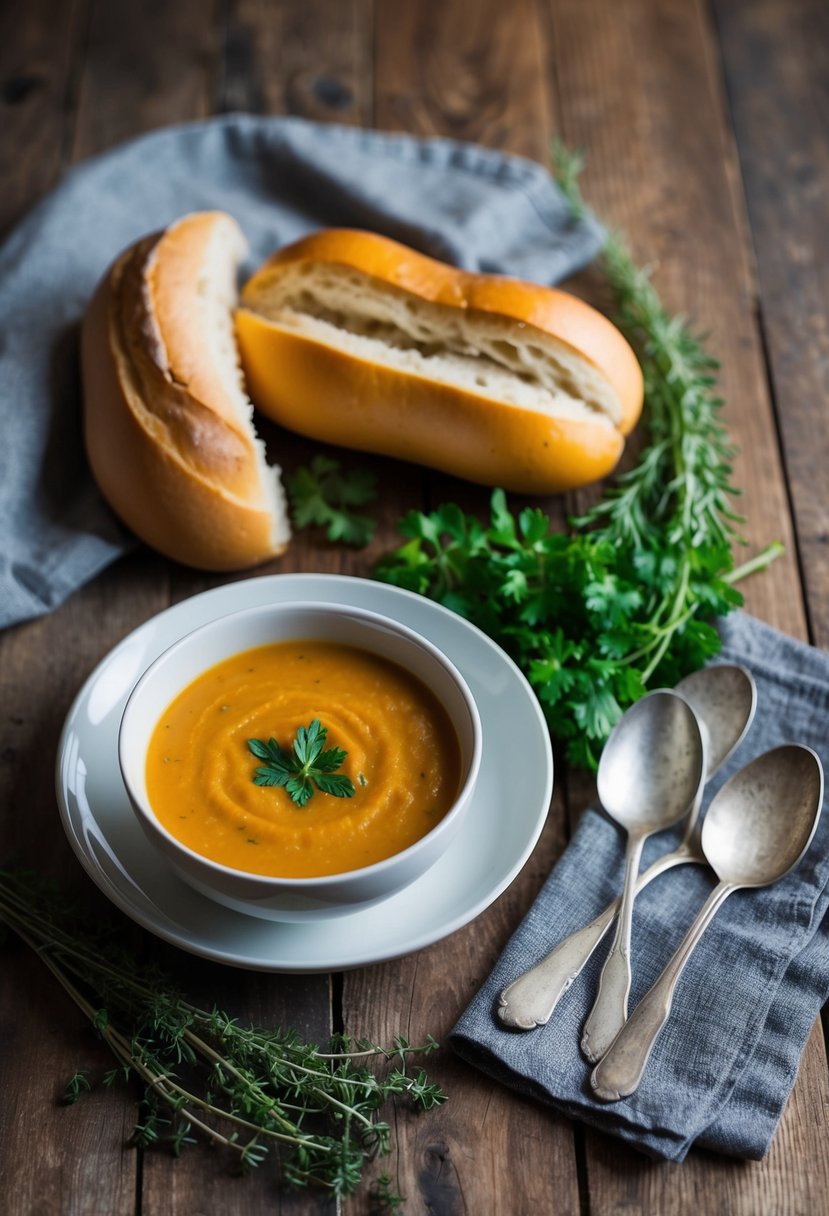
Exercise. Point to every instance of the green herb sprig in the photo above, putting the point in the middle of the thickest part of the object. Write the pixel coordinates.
(624, 601)
(323, 495)
(261, 1094)
(309, 763)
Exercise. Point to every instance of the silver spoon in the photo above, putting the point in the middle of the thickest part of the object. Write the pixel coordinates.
(650, 773)
(724, 699)
(756, 830)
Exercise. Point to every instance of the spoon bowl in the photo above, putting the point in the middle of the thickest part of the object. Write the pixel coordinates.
(756, 830)
(746, 839)
(650, 776)
(724, 698)
(652, 764)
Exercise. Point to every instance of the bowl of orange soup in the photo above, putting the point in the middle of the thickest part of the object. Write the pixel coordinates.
(300, 760)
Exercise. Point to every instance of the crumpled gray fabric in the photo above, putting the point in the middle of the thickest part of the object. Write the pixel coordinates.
(280, 178)
(724, 1065)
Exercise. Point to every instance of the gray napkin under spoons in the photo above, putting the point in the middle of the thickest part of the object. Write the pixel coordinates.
(724, 1065)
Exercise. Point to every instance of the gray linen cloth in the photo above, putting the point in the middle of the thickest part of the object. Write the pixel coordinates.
(724, 1065)
(280, 178)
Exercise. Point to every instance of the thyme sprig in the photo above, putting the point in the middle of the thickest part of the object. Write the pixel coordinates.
(625, 599)
(257, 1092)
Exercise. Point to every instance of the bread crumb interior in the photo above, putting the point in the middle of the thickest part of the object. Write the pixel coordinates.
(217, 298)
(490, 356)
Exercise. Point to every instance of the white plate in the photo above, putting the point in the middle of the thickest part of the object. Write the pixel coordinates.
(514, 787)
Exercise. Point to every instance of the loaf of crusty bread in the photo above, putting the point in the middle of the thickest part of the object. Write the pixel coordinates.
(354, 339)
(167, 421)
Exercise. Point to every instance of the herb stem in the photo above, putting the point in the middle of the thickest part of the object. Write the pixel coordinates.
(207, 1051)
(243, 1077)
(675, 617)
(760, 561)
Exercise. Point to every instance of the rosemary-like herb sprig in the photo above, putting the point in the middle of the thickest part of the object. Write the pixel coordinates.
(251, 1090)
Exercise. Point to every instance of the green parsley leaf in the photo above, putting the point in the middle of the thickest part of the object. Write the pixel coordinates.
(322, 495)
(334, 783)
(308, 764)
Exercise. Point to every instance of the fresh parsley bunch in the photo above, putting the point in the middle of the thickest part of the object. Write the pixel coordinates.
(590, 621)
(622, 602)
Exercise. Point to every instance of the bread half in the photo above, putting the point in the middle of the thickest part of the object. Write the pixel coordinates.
(167, 422)
(354, 339)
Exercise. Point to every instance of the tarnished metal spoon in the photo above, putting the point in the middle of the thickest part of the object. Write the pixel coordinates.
(650, 773)
(756, 830)
(724, 699)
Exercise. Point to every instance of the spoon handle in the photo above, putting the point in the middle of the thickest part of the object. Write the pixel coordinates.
(620, 1071)
(531, 999)
(607, 1017)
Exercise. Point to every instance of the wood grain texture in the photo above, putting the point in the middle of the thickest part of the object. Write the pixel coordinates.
(40, 54)
(308, 58)
(468, 71)
(623, 1182)
(779, 94)
(207, 1179)
(484, 1150)
(643, 93)
(57, 1160)
(665, 171)
(54, 1160)
(146, 66)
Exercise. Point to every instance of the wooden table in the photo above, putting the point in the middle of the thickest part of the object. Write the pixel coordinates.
(706, 128)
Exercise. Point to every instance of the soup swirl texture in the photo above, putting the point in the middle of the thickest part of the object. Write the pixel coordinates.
(403, 759)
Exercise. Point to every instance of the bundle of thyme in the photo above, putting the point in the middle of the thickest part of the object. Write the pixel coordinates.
(259, 1093)
(625, 600)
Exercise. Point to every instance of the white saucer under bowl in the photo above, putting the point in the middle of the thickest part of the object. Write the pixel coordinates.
(512, 795)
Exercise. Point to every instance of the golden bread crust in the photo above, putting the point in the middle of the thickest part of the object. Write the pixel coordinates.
(162, 432)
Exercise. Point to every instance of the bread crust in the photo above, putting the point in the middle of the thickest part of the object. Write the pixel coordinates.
(344, 398)
(162, 431)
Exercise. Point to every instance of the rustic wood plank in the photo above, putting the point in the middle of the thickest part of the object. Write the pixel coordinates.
(310, 59)
(39, 53)
(287, 58)
(142, 68)
(785, 1183)
(208, 1179)
(468, 71)
(643, 94)
(57, 1160)
(76, 1160)
(146, 66)
(779, 93)
(485, 1150)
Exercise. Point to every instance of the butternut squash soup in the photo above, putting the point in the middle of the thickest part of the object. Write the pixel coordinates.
(402, 757)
